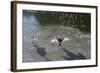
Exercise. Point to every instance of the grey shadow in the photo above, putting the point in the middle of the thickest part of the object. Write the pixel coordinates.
(72, 56)
(41, 51)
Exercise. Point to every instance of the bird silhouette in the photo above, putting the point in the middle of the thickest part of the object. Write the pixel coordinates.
(59, 40)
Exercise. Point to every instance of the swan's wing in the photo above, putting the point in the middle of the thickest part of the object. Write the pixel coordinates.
(66, 39)
(54, 41)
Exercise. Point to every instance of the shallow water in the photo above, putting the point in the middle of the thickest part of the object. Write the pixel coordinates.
(37, 46)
